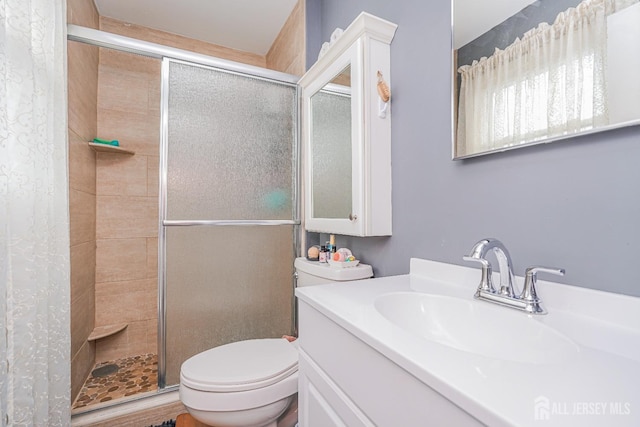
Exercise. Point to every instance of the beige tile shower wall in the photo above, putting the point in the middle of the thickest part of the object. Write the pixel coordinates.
(83, 88)
(287, 54)
(127, 204)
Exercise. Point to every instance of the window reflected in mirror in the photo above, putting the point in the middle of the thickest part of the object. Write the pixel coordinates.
(551, 70)
(331, 148)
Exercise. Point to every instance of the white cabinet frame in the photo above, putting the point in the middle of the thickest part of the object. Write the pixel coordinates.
(365, 46)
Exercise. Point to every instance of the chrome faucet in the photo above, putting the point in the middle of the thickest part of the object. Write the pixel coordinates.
(527, 300)
(478, 254)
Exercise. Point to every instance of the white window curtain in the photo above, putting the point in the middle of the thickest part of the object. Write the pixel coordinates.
(34, 220)
(549, 83)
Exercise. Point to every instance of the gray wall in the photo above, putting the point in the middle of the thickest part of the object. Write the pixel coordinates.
(313, 23)
(572, 204)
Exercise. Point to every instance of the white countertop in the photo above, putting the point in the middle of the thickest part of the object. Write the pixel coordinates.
(599, 385)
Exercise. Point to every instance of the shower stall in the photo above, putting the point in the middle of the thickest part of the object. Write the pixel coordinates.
(227, 184)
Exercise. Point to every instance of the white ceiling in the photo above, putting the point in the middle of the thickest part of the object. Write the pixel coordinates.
(247, 25)
(472, 18)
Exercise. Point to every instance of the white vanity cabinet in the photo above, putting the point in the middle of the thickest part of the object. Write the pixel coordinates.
(321, 402)
(405, 351)
(346, 133)
(345, 382)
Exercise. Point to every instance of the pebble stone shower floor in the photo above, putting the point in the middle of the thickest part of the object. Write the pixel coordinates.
(136, 374)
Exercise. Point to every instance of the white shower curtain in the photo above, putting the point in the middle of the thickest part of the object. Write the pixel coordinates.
(34, 219)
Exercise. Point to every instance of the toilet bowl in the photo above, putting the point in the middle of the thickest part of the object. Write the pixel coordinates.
(243, 384)
(251, 383)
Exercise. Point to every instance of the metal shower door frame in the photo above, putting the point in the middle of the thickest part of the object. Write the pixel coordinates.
(249, 72)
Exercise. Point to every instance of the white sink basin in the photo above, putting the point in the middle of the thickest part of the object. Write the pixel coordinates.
(476, 327)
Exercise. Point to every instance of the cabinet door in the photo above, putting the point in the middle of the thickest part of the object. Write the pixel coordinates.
(316, 411)
(334, 147)
(321, 403)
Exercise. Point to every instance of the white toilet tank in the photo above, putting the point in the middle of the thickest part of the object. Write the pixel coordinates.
(317, 273)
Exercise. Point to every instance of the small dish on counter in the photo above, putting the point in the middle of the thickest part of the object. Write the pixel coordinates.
(343, 264)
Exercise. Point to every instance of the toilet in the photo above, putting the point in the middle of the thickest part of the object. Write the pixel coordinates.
(251, 383)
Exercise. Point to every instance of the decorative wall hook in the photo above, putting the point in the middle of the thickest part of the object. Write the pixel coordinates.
(384, 95)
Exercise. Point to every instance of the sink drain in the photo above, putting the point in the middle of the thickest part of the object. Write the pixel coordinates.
(105, 370)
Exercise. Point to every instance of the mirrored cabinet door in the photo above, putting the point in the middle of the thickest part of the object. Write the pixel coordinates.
(331, 181)
(333, 146)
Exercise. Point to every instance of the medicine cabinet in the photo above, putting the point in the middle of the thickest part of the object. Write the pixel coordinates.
(346, 128)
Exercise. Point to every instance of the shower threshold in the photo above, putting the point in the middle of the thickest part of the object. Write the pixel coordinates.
(119, 379)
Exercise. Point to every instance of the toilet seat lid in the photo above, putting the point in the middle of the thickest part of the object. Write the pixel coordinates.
(240, 366)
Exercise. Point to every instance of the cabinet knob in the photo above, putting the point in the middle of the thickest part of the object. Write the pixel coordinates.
(353, 217)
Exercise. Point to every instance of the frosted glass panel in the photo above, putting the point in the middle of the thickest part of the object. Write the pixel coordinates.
(331, 151)
(230, 146)
(225, 284)
(230, 156)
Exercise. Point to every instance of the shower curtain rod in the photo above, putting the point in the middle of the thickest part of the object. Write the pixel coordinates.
(154, 50)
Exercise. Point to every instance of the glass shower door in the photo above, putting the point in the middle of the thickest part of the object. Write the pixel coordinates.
(228, 213)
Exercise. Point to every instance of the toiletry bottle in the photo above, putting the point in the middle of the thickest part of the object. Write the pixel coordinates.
(332, 242)
(323, 254)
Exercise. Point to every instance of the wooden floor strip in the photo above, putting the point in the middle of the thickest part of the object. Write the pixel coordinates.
(186, 420)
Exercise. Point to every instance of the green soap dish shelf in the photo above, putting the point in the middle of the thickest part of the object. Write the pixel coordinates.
(105, 146)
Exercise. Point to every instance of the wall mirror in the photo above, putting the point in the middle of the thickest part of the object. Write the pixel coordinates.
(529, 72)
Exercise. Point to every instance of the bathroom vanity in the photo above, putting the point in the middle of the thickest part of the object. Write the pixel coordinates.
(418, 349)
(345, 382)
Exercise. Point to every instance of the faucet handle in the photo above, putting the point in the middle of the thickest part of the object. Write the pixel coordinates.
(531, 275)
(485, 282)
